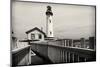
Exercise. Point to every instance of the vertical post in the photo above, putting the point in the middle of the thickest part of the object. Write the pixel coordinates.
(65, 43)
(30, 55)
(91, 42)
(73, 57)
(82, 42)
(68, 43)
(78, 58)
(72, 43)
(69, 56)
(94, 43)
(62, 55)
(66, 55)
(85, 59)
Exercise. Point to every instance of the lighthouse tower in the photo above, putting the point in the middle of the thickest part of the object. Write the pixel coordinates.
(49, 23)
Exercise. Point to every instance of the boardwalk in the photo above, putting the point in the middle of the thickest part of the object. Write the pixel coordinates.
(36, 60)
(61, 54)
(53, 52)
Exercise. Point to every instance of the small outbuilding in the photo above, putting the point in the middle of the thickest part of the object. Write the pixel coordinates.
(35, 34)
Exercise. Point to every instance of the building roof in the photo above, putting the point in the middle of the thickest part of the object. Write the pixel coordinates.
(34, 30)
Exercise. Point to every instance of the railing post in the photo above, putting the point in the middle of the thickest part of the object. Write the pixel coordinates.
(30, 55)
(72, 43)
(62, 42)
(63, 54)
(78, 58)
(73, 57)
(65, 43)
(66, 55)
(91, 42)
(60, 55)
(85, 59)
(68, 43)
(82, 42)
(69, 56)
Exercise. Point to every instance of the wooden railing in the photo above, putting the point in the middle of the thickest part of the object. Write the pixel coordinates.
(80, 43)
(70, 54)
(21, 56)
(61, 54)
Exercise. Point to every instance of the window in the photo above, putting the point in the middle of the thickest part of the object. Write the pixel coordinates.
(50, 20)
(40, 36)
(50, 32)
(32, 36)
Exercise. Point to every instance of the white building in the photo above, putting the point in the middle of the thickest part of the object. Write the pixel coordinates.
(35, 34)
(49, 23)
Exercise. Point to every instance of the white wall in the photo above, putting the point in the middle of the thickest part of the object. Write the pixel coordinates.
(36, 35)
(49, 26)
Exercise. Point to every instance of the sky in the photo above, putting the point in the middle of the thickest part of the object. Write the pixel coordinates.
(69, 21)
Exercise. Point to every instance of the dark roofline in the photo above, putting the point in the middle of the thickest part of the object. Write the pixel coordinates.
(35, 29)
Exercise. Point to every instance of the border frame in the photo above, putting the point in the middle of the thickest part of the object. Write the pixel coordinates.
(48, 3)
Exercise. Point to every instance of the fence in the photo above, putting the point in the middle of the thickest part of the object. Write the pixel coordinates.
(21, 56)
(80, 43)
(61, 54)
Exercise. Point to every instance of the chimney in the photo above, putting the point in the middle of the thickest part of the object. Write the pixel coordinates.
(41, 28)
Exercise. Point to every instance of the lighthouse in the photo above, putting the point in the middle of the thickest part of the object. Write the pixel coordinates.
(49, 23)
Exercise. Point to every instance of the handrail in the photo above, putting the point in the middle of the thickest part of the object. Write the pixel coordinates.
(85, 50)
(51, 51)
(47, 44)
(19, 49)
